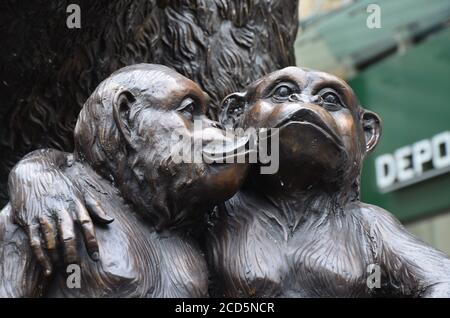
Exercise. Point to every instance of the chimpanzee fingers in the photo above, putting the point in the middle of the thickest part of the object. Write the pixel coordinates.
(50, 234)
(96, 210)
(67, 235)
(87, 228)
(34, 232)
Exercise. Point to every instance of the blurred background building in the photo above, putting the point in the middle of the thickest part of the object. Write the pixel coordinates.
(401, 71)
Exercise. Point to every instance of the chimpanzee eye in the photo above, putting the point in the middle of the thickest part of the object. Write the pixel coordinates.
(331, 100)
(283, 91)
(187, 107)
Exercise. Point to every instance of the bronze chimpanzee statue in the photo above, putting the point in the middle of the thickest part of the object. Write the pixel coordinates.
(123, 160)
(301, 232)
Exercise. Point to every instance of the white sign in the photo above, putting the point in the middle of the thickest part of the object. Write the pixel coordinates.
(414, 163)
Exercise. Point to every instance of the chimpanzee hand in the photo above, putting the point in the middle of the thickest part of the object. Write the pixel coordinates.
(46, 204)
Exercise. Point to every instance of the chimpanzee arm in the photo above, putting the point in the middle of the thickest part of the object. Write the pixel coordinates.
(46, 204)
(19, 274)
(408, 266)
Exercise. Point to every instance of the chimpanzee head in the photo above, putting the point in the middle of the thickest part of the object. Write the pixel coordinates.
(126, 132)
(324, 133)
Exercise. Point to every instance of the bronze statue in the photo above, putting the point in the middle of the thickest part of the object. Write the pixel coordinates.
(301, 232)
(121, 164)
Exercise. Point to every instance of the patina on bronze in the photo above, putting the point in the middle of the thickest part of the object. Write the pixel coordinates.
(122, 165)
(303, 232)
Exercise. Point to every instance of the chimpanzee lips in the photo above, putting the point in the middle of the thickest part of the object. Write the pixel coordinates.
(221, 150)
(308, 117)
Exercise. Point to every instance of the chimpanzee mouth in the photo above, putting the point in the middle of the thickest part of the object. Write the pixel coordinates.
(308, 117)
(222, 153)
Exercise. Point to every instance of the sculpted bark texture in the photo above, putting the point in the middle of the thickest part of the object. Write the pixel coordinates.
(47, 71)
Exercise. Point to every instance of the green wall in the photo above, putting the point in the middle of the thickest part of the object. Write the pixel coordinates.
(411, 93)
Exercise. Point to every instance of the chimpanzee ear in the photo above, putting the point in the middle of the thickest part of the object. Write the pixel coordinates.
(122, 102)
(372, 129)
(232, 109)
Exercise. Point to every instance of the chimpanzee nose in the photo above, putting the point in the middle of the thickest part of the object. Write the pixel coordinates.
(298, 98)
(317, 99)
(303, 98)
